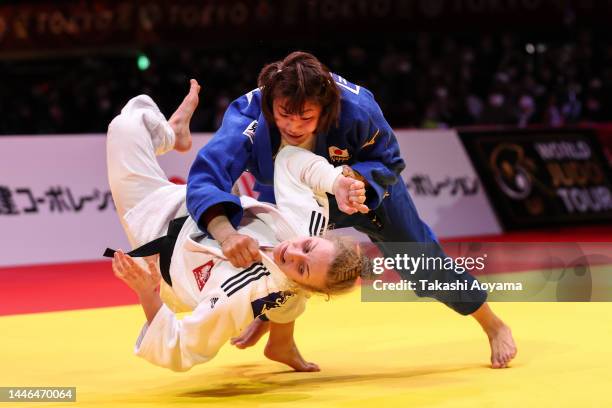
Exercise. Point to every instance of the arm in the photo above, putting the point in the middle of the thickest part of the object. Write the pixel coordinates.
(164, 340)
(180, 344)
(378, 158)
(144, 284)
(218, 165)
(213, 173)
(307, 170)
(319, 175)
(301, 179)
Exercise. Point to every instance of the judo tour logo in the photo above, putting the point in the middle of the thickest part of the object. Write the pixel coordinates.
(513, 171)
(559, 170)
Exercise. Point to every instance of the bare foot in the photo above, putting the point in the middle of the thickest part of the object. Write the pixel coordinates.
(179, 121)
(503, 348)
(252, 334)
(290, 356)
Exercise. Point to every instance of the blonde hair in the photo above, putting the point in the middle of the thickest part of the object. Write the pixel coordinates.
(348, 264)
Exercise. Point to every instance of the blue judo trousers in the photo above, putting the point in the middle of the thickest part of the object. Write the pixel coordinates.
(363, 140)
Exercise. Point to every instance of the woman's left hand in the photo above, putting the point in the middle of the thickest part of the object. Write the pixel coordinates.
(350, 195)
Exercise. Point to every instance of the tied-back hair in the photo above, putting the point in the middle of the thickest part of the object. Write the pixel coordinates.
(299, 78)
(349, 263)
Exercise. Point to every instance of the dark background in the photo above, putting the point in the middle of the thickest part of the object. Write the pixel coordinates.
(69, 66)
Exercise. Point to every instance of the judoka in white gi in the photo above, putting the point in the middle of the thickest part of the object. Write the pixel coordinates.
(223, 299)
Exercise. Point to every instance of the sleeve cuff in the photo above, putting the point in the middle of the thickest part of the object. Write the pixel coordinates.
(144, 341)
(374, 192)
(330, 179)
(231, 205)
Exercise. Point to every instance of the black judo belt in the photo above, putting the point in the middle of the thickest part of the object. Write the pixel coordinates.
(164, 246)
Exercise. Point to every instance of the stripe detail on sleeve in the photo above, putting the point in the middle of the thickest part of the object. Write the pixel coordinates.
(241, 279)
(317, 224)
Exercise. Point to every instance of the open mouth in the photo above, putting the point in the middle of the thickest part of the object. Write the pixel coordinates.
(292, 136)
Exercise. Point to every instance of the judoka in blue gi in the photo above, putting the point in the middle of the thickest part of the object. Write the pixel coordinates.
(299, 102)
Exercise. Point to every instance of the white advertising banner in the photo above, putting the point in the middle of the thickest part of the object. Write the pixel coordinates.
(443, 184)
(55, 203)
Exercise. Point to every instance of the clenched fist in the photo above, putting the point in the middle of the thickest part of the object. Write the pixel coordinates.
(241, 250)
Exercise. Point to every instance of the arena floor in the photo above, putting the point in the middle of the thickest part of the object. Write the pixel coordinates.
(371, 355)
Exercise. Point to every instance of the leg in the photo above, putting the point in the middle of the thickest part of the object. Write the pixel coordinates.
(403, 231)
(135, 137)
(281, 347)
(396, 228)
(503, 348)
(179, 121)
(401, 223)
(468, 302)
(133, 171)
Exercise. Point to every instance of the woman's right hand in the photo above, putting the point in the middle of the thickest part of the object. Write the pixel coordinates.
(241, 250)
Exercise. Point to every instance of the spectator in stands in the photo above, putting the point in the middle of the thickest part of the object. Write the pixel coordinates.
(435, 80)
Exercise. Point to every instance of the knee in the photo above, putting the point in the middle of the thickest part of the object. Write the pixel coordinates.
(121, 127)
(122, 124)
(131, 117)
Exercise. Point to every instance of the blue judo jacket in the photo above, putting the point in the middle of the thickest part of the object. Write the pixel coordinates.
(245, 141)
(363, 140)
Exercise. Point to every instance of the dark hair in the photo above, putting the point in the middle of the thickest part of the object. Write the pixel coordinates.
(300, 77)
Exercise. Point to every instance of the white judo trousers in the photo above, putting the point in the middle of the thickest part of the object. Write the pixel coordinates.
(223, 300)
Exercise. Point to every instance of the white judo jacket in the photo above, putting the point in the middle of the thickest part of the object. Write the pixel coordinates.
(224, 300)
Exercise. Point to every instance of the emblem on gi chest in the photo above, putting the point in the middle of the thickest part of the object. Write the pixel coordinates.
(337, 154)
(202, 273)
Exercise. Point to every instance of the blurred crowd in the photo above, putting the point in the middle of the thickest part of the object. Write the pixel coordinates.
(422, 80)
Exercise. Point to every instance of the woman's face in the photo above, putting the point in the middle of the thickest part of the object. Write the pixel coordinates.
(296, 129)
(305, 260)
